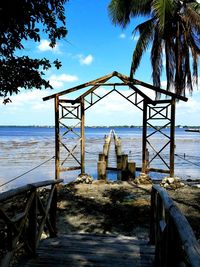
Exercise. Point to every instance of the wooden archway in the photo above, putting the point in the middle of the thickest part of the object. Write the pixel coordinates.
(153, 110)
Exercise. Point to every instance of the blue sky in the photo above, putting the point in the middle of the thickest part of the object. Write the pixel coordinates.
(93, 48)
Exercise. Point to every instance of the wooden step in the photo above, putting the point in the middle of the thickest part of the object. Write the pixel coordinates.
(92, 250)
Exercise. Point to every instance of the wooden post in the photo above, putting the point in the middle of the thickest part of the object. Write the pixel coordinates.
(57, 140)
(144, 137)
(101, 157)
(53, 211)
(124, 167)
(131, 170)
(119, 162)
(32, 226)
(147, 160)
(118, 147)
(82, 136)
(101, 170)
(172, 137)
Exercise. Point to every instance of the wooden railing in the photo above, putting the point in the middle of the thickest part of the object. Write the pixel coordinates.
(26, 213)
(174, 240)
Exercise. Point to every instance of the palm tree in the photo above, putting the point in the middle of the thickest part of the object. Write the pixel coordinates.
(172, 28)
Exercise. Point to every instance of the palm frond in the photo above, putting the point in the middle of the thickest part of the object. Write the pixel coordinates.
(163, 10)
(192, 18)
(121, 11)
(156, 59)
(146, 31)
(170, 62)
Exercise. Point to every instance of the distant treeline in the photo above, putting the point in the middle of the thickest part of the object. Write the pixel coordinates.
(111, 126)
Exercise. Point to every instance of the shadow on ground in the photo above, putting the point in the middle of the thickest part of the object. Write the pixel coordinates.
(104, 208)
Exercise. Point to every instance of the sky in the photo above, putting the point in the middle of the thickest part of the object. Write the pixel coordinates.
(92, 48)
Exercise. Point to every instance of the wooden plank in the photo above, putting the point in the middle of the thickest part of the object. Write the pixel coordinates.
(92, 250)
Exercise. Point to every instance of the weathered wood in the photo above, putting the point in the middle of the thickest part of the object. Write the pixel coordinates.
(82, 136)
(20, 190)
(101, 168)
(93, 250)
(32, 226)
(57, 139)
(53, 212)
(73, 89)
(144, 137)
(63, 169)
(101, 157)
(172, 137)
(131, 170)
(124, 167)
(171, 233)
(26, 227)
(124, 78)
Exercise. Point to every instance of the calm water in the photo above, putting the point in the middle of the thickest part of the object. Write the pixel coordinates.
(23, 148)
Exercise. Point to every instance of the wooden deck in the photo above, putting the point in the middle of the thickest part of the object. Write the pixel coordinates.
(92, 250)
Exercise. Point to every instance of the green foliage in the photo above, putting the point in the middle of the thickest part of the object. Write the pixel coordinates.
(172, 28)
(22, 20)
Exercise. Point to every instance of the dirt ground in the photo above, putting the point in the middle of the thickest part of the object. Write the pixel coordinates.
(118, 208)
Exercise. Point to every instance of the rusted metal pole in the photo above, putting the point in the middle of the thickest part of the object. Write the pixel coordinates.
(82, 136)
(144, 137)
(57, 139)
(172, 137)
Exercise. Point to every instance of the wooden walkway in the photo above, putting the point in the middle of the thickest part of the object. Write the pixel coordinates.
(92, 250)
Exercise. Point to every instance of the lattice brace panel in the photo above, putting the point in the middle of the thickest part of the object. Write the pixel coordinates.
(70, 136)
(99, 93)
(158, 136)
(132, 96)
(95, 96)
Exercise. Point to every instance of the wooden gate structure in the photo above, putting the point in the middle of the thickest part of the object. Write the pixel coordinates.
(154, 111)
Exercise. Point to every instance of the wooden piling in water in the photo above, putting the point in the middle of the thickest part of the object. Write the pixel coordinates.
(131, 170)
(101, 166)
(124, 167)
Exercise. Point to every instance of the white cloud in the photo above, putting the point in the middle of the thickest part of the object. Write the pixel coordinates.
(44, 47)
(59, 80)
(28, 98)
(122, 36)
(86, 60)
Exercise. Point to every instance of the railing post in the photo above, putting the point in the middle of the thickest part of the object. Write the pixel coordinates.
(32, 226)
(53, 211)
(152, 218)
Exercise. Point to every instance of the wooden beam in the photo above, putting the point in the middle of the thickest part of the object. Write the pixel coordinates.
(82, 136)
(156, 89)
(162, 91)
(144, 137)
(172, 137)
(81, 86)
(95, 86)
(57, 139)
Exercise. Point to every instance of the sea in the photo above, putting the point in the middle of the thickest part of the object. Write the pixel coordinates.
(27, 153)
